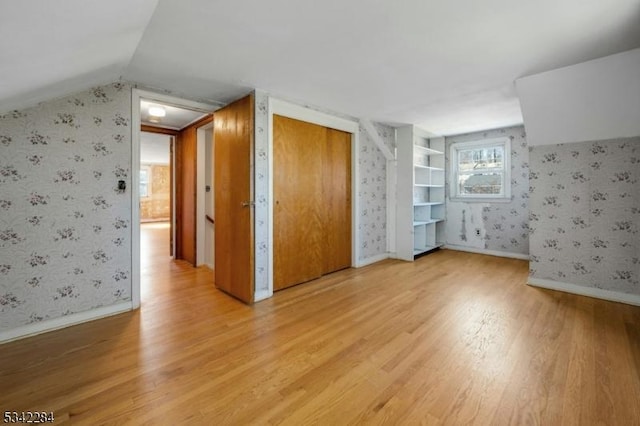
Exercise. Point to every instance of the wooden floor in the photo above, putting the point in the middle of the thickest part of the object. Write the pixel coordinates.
(453, 338)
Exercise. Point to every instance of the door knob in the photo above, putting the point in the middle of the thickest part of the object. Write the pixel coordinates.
(248, 204)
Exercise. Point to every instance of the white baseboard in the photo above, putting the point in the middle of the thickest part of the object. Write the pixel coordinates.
(487, 252)
(261, 295)
(265, 294)
(598, 293)
(62, 322)
(372, 259)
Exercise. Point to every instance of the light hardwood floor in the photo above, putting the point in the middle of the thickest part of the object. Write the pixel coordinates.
(453, 338)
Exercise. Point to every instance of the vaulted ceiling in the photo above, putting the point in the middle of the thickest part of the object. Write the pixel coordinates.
(449, 66)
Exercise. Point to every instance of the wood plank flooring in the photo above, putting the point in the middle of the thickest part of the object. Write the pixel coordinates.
(453, 338)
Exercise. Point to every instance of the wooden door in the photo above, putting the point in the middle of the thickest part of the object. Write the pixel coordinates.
(297, 222)
(312, 208)
(171, 193)
(186, 193)
(336, 204)
(233, 202)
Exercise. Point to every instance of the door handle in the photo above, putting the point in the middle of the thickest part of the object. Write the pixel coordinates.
(248, 204)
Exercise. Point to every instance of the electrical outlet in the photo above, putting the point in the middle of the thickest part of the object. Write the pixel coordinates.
(477, 232)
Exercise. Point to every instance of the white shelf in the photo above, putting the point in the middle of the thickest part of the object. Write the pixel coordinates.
(426, 222)
(428, 204)
(435, 169)
(420, 196)
(428, 151)
(420, 250)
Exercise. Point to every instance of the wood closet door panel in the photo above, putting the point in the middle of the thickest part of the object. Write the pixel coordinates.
(336, 162)
(234, 241)
(298, 199)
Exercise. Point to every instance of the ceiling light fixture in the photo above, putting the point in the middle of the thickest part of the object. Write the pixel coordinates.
(156, 111)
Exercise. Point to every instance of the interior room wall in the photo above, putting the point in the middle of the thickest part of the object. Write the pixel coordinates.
(504, 226)
(65, 229)
(590, 101)
(373, 191)
(585, 160)
(156, 207)
(585, 215)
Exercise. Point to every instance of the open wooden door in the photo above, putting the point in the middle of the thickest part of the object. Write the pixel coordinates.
(171, 194)
(233, 145)
(186, 194)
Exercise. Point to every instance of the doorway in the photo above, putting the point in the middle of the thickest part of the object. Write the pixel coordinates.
(205, 198)
(160, 240)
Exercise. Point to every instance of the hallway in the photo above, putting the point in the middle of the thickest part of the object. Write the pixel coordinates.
(157, 266)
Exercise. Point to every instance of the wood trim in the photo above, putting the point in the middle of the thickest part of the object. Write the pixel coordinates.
(204, 120)
(160, 130)
(172, 194)
(177, 152)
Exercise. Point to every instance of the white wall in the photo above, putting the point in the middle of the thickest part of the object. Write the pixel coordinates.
(594, 100)
(154, 148)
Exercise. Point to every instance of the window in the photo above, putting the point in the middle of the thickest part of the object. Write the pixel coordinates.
(144, 182)
(481, 170)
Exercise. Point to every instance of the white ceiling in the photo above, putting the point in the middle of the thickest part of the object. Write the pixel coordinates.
(449, 66)
(175, 118)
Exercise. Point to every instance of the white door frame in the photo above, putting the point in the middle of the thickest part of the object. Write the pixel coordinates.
(201, 222)
(136, 95)
(287, 109)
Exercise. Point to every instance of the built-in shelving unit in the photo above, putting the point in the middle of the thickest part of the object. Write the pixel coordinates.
(420, 198)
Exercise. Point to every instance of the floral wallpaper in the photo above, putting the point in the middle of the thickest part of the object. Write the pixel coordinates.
(585, 214)
(373, 192)
(503, 226)
(261, 191)
(65, 233)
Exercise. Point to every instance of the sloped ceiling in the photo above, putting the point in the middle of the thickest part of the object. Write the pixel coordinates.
(53, 48)
(449, 66)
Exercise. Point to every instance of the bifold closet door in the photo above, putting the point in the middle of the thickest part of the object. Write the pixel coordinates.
(336, 185)
(312, 208)
(297, 217)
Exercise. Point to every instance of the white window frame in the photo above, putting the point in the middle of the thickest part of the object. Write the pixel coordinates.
(506, 175)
